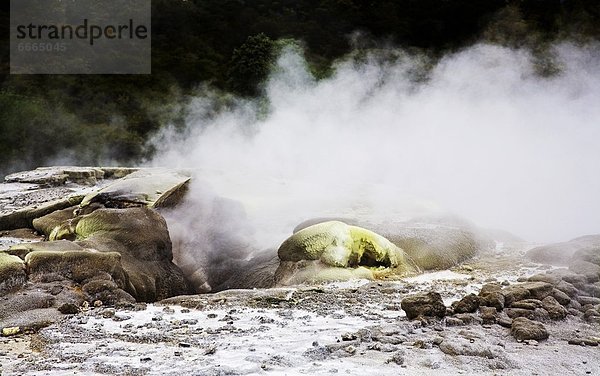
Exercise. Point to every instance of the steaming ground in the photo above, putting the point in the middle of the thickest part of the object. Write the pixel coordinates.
(391, 135)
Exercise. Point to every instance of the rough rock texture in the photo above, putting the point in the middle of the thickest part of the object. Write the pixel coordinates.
(154, 187)
(12, 273)
(525, 329)
(468, 304)
(430, 304)
(555, 310)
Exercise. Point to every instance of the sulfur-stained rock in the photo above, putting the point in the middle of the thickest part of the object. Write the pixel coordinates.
(141, 237)
(49, 222)
(336, 251)
(75, 265)
(23, 249)
(12, 273)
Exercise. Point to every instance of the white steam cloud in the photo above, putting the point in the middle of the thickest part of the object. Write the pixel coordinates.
(483, 136)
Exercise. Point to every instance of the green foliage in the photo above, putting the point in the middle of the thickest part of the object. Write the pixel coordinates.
(250, 64)
(230, 45)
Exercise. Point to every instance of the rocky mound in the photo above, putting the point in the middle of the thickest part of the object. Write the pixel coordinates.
(109, 246)
(334, 250)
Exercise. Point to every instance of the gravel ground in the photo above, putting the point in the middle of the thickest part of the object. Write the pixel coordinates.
(352, 328)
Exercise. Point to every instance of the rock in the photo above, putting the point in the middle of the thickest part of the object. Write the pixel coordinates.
(468, 318)
(23, 249)
(524, 329)
(540, 314)
(527, 304)
(12, 273)
(548, 278)
(68, 309)
(467, 304)
(141, 238)
(423, 305)
(489, 288)
(488, 314)
(514, 294)
(520, 312)
(555, 310)
(319, 252)
(591, 254)
(152, 187)
(560, 297)
(493, 299)
(24, 217)
(49, 222)
(75, 265)
(561, 253)
(593, 289)
(397, 358)
(453, 321)
(338, 244)
(533, 290)
(460, 346)
(589, 270)
(588, 300)
(566, 287)
(11, 331)
(432, 242)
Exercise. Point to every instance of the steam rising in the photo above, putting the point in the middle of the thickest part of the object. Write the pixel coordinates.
(477, 133)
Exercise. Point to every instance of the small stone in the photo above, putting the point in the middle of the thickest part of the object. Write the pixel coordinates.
(350, 349)
(68, 309)
(97, 303)
(146, 359)
(348, 337)
(184, 344)
(177, 353)
(55, 290)
(108, 313)
(397, 358)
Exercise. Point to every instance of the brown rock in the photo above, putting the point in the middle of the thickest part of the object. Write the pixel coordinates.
(493, 299)
(520, 312)
(524, 329)
(527, 304)
(488, 314)
(430, 304)
(468, 304)
(555, 310)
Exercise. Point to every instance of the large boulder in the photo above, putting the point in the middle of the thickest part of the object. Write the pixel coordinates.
(431, 242)
(141, 237)
(561, 253)
(321, 251)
